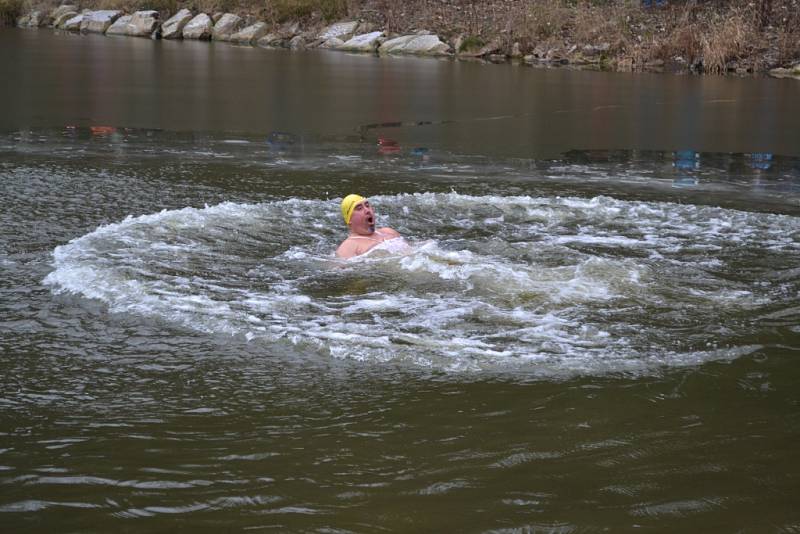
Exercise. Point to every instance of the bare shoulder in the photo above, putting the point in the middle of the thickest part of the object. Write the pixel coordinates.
(390, 232)
(347, 249)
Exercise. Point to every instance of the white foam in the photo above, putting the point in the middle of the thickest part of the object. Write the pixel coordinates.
(561, 287)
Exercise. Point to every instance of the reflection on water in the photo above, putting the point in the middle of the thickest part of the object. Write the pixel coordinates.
(491, 110)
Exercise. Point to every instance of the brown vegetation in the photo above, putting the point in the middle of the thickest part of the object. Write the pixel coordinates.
(705, 36)
(712, 36)
(9, 11)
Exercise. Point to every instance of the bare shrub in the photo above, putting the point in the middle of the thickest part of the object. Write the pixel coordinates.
(611, 21)
(162, 6)
(10, 10)
(285, 10)
(725, 39)
(788, 44)
(547, 18)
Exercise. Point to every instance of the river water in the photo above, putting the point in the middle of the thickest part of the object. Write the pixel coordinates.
(595, 329)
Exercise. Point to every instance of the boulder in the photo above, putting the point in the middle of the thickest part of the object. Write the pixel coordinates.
(368, 42)
(63, 17)
(143, 23)
(120, 26)
(297, 43)
(332, 43)
(339, 30)
(99, 21)
(173, 27)
(227, 25)
(62, 9)
(200, 27)
(494, 47)
(425, 45)
(271, 40)
(250, 34)
(73, 24)
(289, 30)
(791, 72)
(34, 19)
(367, 27)
(591, 50)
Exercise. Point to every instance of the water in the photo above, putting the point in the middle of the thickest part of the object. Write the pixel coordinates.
(599, 339)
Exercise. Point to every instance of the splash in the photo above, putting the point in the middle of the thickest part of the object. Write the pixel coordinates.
(550, 287)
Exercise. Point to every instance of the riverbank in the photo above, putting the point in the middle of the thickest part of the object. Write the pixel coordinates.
(735, 37)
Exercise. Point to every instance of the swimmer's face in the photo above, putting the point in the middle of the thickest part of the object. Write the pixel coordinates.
(363, 219)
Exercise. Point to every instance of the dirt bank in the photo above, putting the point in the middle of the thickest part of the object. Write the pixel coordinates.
(713, 37)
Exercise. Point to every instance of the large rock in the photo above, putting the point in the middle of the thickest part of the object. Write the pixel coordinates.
(34, 19)
(227, 26)
(24, 21)
(289, 30)
(120, 26)
(791, 72)
(140, 24)
(368, 42)
(250, 34)
(333, 43)
(271, 40)
(200, 27)
(62, 13)
(339, 30)
(426, 45)
(73, 24)
(60, 10)
(99, 21)
(173, 27)
(297, 43)
(143, 23)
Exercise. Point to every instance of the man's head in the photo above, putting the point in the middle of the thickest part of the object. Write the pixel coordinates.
(358, 214)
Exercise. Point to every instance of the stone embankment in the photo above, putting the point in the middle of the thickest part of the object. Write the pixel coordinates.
(349, 36)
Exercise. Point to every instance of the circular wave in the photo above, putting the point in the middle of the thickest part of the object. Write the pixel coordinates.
(545, 286)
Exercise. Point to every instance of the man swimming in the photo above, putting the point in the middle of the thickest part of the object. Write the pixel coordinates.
(359, 216)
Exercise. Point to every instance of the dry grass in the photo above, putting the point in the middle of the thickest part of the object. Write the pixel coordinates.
(10, 10)
(788, 46)
(724, 40)
(301, 10)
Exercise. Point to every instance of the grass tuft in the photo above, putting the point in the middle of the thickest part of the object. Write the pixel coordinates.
(327, 10)
(726, 39)
(10, 11)
(471, 43)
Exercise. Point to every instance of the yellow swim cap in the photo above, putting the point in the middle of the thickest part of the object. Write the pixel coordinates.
(348, 205)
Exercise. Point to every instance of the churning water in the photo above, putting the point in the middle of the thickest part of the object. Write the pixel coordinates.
(545, 286)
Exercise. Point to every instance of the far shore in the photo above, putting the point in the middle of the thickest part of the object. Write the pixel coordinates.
(721, 38)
